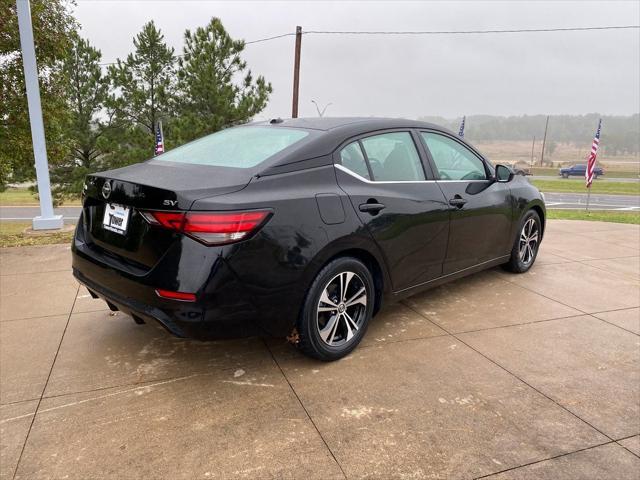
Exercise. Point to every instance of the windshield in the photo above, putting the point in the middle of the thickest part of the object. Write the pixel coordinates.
(242, 147)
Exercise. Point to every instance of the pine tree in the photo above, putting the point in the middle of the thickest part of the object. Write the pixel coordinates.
(208, 95)
(86, 93)
(143, 94)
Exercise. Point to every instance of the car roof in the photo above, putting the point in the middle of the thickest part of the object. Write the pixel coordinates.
(360, 123)
(328, 133)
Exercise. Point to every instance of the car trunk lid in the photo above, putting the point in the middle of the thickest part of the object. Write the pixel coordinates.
(143, 187)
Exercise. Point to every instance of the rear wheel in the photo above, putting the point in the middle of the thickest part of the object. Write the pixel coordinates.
(337, 310)
(525, 247)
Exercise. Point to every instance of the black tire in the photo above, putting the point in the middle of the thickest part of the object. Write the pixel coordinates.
(321, 334)
(520, 262)
(565, 175)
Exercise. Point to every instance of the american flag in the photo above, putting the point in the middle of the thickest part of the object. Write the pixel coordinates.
(461, 132)
(591, 161)
(159, 140)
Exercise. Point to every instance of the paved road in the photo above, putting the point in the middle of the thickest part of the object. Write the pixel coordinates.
(605, 178)
(576, 201)
(21, 214)
(554, 201)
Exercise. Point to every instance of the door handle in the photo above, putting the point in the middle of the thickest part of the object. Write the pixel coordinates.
(371, 208)
(457, 201)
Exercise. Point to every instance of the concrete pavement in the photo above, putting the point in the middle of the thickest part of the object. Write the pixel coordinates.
(499, 375)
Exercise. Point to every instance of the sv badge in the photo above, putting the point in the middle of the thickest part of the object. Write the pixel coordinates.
(170, 203)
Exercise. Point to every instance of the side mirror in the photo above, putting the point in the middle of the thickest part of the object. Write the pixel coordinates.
(503, 174)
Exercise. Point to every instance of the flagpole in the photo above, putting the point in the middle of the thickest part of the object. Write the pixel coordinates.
(588, 196)
(162, 134)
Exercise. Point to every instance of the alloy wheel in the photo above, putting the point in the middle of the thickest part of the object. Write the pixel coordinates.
(341, 309)
(528, 241)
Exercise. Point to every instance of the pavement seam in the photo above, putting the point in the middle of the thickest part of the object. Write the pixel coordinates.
(614, 325)
(523, 381)
(626, 448)
(545, 460)
(284, 375)
(139, 384)
(15, 402)
(576, 308)
(32, 273)
(44, 388)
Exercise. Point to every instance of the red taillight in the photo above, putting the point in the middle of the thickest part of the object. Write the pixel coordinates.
(182, 296)
(212, 228)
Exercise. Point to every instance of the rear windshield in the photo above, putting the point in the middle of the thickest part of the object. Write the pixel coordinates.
(241, 147)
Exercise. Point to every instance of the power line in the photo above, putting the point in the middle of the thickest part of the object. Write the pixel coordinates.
(467, 32)
(432, 32)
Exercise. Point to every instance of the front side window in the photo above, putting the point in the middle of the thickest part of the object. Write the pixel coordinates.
(393, 157)
(351, 157)
(453, 160)
(241, 147)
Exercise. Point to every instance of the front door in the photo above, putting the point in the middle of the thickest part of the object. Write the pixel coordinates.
(480, 207)
(405, 212)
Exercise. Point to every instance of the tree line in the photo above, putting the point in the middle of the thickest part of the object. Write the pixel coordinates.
(620, 134)
(98, 118)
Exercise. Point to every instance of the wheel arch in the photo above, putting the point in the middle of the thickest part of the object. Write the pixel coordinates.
(367, 253)
(542, 214)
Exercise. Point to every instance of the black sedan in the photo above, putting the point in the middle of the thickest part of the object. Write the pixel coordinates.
(301, 228)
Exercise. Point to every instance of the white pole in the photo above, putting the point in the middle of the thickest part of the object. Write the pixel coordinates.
(47, 220)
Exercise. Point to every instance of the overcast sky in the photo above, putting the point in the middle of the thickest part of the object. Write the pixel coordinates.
(411, 76)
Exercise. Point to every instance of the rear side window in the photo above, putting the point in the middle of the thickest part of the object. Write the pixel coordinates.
(351, 157)
(393, 157)
(241, 147)
(453, 160)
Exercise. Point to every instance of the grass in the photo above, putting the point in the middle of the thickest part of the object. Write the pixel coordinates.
(595, 216)
(598, 186)
(12, 235)
(23, 196)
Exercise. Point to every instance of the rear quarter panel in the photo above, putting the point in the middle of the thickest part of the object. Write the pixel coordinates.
(278, 264)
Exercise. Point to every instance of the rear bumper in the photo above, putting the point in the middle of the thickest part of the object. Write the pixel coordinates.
(217, 313)
(139, 310)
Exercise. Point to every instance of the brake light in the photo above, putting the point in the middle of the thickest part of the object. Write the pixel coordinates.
(211, 228)
(182, 296)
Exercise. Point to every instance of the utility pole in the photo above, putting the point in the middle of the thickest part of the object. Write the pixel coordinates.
(544, 141)
(533, 147)
(296, 72)
(47, 220)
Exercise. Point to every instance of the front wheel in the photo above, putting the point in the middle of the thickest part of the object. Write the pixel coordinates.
(337, 310)
(526, 245)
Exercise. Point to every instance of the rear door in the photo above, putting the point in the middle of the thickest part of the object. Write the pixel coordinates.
(481, 209)
(400, 205)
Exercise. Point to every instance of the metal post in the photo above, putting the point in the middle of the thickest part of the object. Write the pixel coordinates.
(533, 146)
(588, 197)
(296, 73)
(544, 141)
(47, 220)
